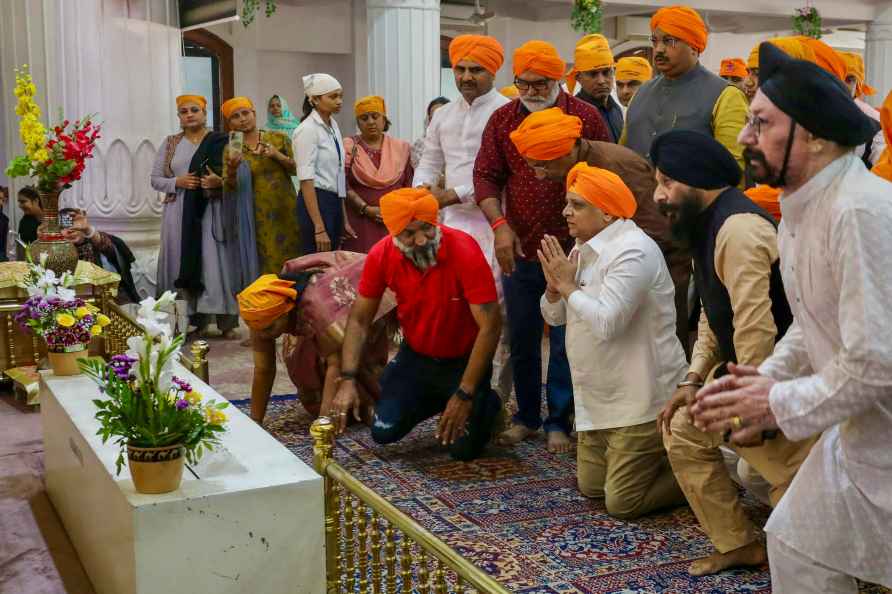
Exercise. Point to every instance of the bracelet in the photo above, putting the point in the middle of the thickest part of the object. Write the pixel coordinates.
(464, 396)
(498, 223)
(320, 232)
(362, 210)
(687, 383)
(347, 375)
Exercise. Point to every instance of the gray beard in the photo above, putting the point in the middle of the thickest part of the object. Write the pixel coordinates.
(422, 258)
(534, 106)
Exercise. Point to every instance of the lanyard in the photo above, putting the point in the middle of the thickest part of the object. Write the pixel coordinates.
(334, 139)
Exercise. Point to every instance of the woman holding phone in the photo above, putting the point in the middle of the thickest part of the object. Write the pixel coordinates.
(257, 169)
(191, 260)
(319, 147)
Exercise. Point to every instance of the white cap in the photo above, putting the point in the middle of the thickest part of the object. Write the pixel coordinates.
(320, 84)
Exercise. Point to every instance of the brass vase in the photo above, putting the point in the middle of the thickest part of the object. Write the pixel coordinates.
(61, 253)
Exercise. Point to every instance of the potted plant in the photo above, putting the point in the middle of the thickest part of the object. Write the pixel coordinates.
(55, 159)
(52, 311)
(157, 419)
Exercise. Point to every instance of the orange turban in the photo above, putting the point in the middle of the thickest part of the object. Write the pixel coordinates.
(768, 198)
(198, 99)
(752, 62)
(682, 22)
(540, 57)
(547, 134)
(634, 68)
(401, 207)
(827, 58)
(733, 67)
(883, 168)
(236, 103)
(855, 67)
(592, 53)
(510, 91)
(602, 188)
(266, 299)
(482, 49)
(369, 104)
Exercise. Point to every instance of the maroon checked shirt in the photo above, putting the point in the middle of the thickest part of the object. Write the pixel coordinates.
(532, 206)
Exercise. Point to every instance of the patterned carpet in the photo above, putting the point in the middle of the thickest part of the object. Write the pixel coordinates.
(518, 515)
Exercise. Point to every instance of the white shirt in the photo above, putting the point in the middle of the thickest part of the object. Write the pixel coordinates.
(625, 358)
(452, 142)
(319, 154)
(834, 368)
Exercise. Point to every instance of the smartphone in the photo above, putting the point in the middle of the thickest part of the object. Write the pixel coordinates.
(66, 217)
(236, 140)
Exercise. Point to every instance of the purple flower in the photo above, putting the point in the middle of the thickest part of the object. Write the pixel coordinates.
(182, 385)
(121, 366)
(182, 404)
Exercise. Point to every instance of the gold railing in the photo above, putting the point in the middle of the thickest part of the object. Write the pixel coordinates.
(371, 546)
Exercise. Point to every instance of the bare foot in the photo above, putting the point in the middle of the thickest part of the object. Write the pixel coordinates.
(514, 435)
(559, 442)
(231, 335)
(747, 555)
(246, 342)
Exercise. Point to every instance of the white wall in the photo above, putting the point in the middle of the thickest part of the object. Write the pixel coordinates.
(272, 54)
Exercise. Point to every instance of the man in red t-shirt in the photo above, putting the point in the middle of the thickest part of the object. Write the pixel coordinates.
(504, 183)
(449, 313)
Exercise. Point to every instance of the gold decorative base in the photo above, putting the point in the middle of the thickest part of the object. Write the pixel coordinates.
(61, 253)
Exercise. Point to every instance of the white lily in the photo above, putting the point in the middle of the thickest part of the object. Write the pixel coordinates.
(43, 258)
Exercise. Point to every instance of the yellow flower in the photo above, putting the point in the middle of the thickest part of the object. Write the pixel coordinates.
(215, 416)
(81, 312)
(193, 397)
(103, 320)
(66, 320)
(96, 330)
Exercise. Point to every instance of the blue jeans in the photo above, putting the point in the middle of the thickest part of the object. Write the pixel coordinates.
(415, 388)
(523, 289)
(332, 217)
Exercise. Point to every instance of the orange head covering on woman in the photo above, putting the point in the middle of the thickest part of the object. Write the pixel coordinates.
(197, 99)
(401, 207)
(592, 53)
(547, 134)
(855, 67)
(602, 188)
(482, 49)
(634, 68)
(369, 104)
(883, 168)
(682, 22)
(540, 57)
(733, 67)
(768, 198)
(264, 300)
(230, 107)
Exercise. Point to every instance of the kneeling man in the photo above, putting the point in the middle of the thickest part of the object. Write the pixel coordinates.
(449, 313)
(615, 295)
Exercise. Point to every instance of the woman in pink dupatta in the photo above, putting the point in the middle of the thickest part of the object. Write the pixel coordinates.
(314, 332)
(376, 164)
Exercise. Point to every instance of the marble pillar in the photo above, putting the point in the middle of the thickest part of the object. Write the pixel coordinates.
(404, 60)
(120, 60)
(878, 53)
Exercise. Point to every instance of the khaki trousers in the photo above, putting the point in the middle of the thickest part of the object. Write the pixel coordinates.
(627, 466)
(700, 469)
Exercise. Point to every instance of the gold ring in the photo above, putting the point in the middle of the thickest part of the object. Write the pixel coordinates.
(736, 422)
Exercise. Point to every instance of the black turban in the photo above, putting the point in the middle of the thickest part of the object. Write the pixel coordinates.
(813, 98)
(694, 159)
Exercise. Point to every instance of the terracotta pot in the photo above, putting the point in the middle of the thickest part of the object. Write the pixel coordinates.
(65, 363)
(61, 253)
(156, 470)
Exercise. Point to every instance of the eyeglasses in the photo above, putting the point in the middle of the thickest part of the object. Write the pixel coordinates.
(667, 41)
(538, 85)
(755, 122)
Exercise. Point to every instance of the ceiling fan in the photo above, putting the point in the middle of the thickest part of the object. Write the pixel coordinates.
(478, 19)
(480, 16)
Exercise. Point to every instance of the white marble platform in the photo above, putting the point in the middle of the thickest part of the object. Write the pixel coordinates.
(251, 521)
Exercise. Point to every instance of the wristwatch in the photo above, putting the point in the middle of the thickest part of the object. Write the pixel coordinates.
(463, 395)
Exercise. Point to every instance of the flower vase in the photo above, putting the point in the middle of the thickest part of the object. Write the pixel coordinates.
(63, 360)
(156, 470)
(61, 253)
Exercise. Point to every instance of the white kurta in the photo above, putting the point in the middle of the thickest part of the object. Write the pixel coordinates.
(834, 368)
(452, 142)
